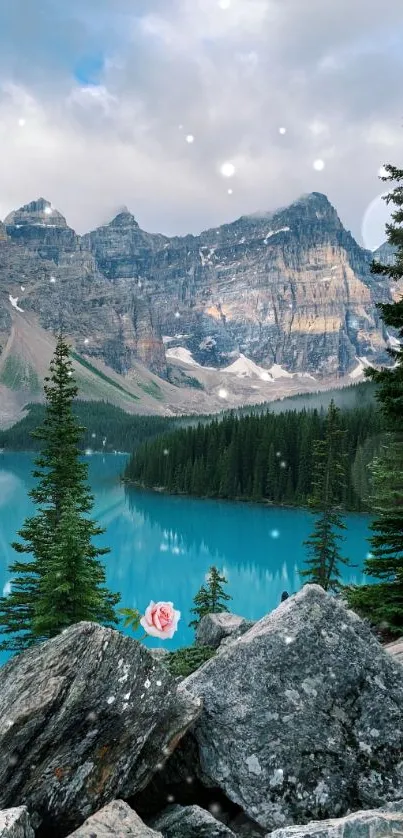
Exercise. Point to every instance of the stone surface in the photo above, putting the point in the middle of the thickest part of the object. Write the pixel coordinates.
(190, 822)
(290, 291)
(214, 628)
(396, 649)
(85, 718)
(157, 654)
(303, 715)
(15, 823)
(378, 823)
(115, 819)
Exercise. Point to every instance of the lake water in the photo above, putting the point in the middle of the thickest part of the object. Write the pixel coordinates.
(162, 546)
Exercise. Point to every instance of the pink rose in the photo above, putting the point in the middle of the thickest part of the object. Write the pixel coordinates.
(161, 620)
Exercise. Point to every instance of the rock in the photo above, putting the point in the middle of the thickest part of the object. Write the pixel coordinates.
(117, 818)
(190, 822)
(378, 823)
(85, 717)
(15, 823)
(303, 715)
(157, 654)
(214, 628)
(396, 649)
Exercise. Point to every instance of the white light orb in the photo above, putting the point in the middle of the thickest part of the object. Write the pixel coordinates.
(224, 4)
(223, 394)
(230, 191)
(48, 210)
(177, 314)
(21, 123)
(319, 165)
(53, 279)
(282, 130)
(275, 534)
(190, 138)
(86, 340)
(227, 169)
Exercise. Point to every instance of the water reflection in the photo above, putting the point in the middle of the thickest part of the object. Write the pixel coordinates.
(162, 547)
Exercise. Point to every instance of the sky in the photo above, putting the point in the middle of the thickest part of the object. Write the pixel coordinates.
(194, 112)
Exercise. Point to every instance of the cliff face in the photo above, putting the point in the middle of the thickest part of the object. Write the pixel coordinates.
(290, 288)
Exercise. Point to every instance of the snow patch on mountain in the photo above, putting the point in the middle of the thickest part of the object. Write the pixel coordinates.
(359, 369)
(394, 342)
(243, 367)
(14, 302)
(180, 353)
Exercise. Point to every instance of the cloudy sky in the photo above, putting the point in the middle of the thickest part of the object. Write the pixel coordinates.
(194, 112)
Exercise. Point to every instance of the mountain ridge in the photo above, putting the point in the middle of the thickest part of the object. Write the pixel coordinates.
(288, 290)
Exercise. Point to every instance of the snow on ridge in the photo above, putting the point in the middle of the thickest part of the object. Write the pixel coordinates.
(14, 301)
(274, 233)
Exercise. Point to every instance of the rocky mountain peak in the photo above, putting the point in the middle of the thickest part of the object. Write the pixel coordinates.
(124, 218)
(37, 213)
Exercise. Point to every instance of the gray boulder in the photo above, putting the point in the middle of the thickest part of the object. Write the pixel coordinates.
(396, 649)
(158, 653)
(15, 823)
(378, 823)
(303, 715)
(190, 822)
(214, 628)
(117, 818)
(85, 718)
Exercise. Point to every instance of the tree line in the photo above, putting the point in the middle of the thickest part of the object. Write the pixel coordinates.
(266, 457)
(106, 427)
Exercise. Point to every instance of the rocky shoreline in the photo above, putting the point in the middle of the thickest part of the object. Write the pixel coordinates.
(293, 729)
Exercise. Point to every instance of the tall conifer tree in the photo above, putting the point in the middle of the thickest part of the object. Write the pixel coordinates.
(383, 602)
(211, 598)
(62, 582)
(329, 474)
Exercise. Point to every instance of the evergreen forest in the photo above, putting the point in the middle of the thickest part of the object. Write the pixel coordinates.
(261, 457)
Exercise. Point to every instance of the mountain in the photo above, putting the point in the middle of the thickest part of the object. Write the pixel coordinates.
(285, 300)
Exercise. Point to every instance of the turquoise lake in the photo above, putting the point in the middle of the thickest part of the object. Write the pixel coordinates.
(162, 546)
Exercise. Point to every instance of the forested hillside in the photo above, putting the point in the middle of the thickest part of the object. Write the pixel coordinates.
(258, 457)
(103, 421)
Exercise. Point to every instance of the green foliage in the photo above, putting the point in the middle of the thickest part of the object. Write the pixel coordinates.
(184, 661)
(211, 597)
(103, 376)
(62, 582)
(329, 470)
(19, 375)
(131, 617)
(121, 431)
(152, 389)
(261, 457)
(382, 602)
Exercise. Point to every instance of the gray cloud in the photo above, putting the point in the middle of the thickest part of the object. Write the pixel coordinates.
(330, 73)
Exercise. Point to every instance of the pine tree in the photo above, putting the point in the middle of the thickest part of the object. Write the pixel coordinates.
(62, 582)
(382, 602)
(329, 472)
(211, 598)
